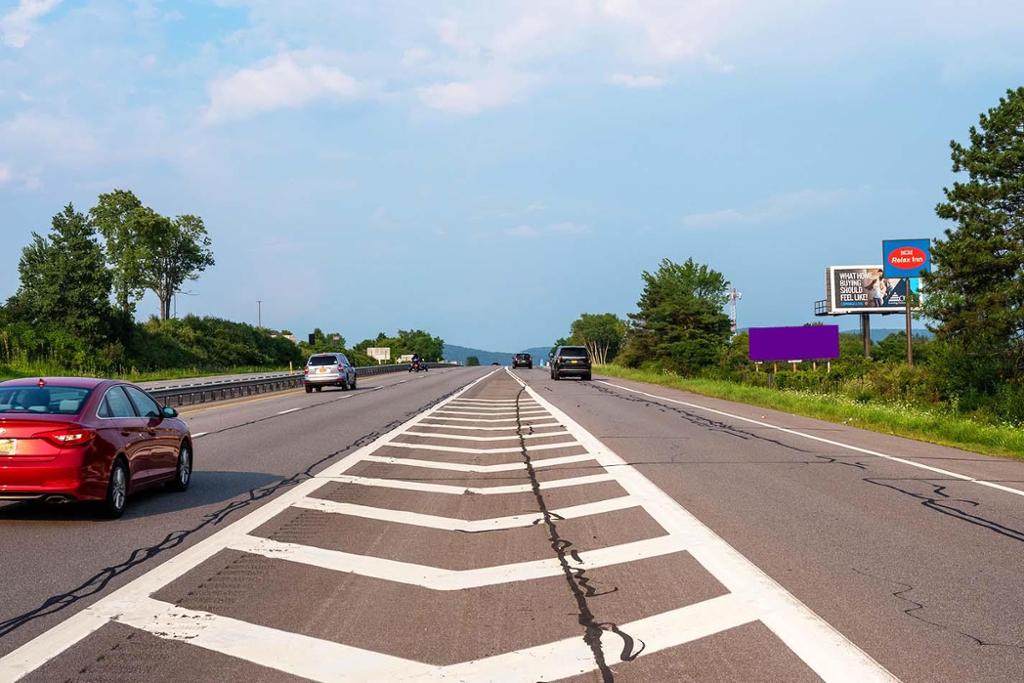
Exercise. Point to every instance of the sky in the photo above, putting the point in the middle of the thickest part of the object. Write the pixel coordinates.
(489, 170)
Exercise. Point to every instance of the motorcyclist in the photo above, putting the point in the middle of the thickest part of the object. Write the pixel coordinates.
(416, 364)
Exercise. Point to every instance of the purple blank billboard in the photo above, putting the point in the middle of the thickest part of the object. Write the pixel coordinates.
(817, 342)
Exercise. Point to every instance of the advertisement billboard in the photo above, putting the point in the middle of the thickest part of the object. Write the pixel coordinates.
(906, 258)
(865, 289)
(379, 354)
(813, 342)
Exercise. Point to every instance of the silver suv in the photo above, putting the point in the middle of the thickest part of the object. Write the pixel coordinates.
(329, 369)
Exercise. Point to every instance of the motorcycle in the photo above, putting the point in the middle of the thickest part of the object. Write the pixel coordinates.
(418, 365)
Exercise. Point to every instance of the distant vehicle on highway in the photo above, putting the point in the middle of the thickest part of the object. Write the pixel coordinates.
(328, 370)
(82, 439)
(522, 360)
(570, 361)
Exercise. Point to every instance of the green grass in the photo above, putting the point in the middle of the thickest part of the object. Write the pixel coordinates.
(53, 370)
(933, 425)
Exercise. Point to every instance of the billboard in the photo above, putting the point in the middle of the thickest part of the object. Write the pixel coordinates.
(814, 342)
(379, 353)
(865, 289)
(906, 258)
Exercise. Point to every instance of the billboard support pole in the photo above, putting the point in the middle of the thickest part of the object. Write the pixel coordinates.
(865, 333)
(910, 342)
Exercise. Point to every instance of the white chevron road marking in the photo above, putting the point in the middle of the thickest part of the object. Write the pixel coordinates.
(467, 526)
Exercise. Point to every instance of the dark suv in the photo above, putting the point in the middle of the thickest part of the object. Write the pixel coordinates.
(570, 361)
(522, 360)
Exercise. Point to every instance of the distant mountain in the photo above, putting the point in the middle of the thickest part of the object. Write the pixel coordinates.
(880, 333)
(461, 353)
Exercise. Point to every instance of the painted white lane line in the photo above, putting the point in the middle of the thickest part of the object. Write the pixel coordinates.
(504, 401)
(285, 412)
(485, 429)
(824, 649)
(51, 643)
(472, 419)
(464, 437)
(199, 434)
(480, 469)
(463, 490)
(468, 526)
(440, 579)
(830, 442)
(328, 661)
(480, 451)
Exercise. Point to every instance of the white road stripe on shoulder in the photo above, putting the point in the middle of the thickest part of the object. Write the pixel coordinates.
(285, 412)
(464, 437)
(830, 442)
(455, 524)
(463, 490)
(480, 469)
(480, 451)
(440, 579)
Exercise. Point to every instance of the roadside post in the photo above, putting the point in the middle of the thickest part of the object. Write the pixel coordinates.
(907, 259)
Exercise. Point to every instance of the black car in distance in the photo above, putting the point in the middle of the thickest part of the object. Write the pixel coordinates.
(570, 361)
(522, 360)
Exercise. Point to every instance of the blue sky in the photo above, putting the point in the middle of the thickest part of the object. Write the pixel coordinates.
(487, 171)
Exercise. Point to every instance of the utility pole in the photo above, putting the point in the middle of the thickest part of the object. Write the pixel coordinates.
(734, 296)
(910, 341)
(259, 313)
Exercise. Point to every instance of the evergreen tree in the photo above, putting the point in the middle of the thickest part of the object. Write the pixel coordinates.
(976, 292)
(65, 284)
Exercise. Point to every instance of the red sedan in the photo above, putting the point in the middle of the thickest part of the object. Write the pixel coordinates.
(78, 439)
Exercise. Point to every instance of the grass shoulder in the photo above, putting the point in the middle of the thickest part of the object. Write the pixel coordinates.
(915, 422)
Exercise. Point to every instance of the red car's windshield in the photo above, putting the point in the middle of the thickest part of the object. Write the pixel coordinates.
(48, 400)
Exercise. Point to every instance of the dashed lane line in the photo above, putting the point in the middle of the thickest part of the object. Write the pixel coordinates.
(830, 442)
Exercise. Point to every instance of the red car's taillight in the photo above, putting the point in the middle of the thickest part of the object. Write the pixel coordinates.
(305, 371)
(69, 438)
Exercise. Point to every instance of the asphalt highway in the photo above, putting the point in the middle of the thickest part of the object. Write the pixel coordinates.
(479, 524)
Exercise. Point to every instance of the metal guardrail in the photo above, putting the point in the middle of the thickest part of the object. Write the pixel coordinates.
(221, 390)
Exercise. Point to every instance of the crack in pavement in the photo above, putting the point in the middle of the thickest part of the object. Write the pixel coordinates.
(940, 502)
(916, 607)
(699, 420)
(580, 585)
(101, 580)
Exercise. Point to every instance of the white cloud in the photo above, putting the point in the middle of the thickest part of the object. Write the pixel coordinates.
(17, 26)
(636, 81)
(527, 231)
(569, 228)
(473, 96)
(287, 81)
(6, 174)
(775, 208)
(51, 135)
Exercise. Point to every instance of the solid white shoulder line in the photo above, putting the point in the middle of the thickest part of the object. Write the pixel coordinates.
(466, 467)
(463, 490)
(51, 643)
(455, 524)
(826, 651)
(437, 578)
(830, 442)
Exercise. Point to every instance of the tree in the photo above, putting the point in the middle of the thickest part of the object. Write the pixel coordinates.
(65, 285)
(472, 361)
(150, 251)
(976, 293)
(601, 333)
(680, 323)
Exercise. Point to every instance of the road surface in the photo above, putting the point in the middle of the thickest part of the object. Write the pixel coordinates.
(480, 524)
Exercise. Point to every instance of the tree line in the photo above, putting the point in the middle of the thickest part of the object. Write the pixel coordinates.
(974, 302)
